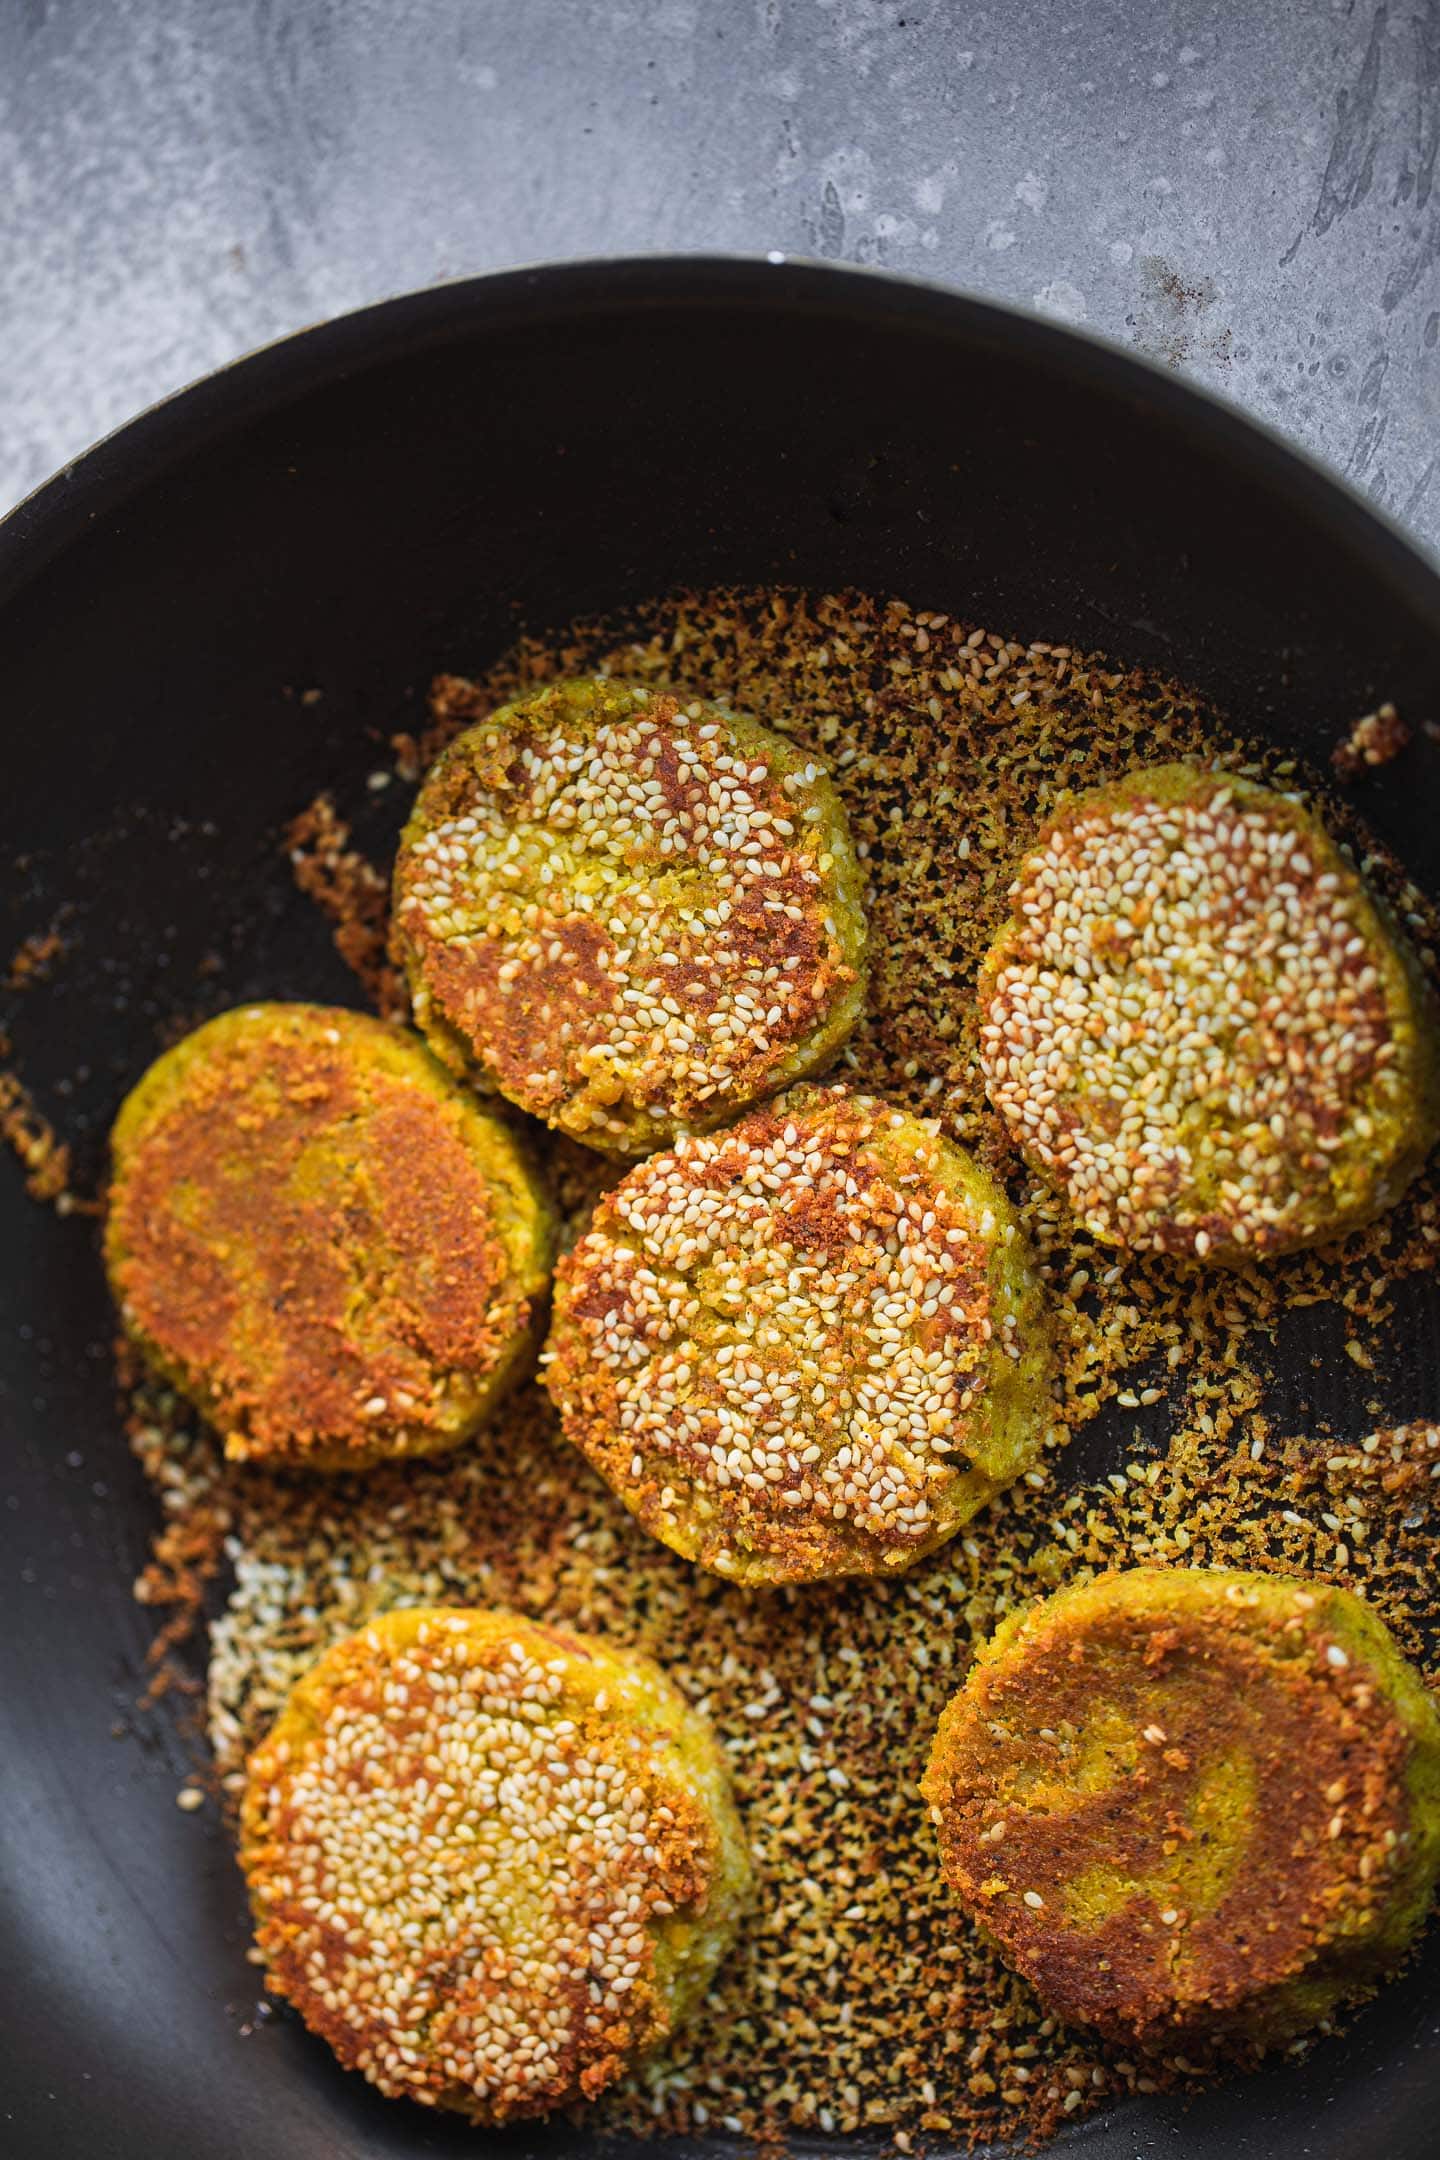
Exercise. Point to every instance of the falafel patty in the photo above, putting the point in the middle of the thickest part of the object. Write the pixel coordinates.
(1200, 1026)
(631, 915)
(1196, 1808)
(322, 1240)
(811, 1345)
(492, 1864)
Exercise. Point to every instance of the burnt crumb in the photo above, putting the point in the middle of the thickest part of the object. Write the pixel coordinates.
(43, 1156)
(1374, 740)
(34, 959)
(351, 893)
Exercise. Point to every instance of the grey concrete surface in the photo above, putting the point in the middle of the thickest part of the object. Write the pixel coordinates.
(1244, 189)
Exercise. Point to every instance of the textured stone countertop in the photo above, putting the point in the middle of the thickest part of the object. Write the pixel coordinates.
(1243, 189)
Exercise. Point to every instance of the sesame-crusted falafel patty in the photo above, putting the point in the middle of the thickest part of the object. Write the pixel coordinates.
(1198, 1024)
(322, 1240)
(491, 1863)
(811, 1345)
(1192, 1806)
(632, 916)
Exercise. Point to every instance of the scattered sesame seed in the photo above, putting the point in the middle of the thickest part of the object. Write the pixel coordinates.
(772, 2052)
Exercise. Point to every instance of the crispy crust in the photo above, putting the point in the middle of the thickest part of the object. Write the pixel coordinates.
(632, 918)
(1196, 1808)
(317, 1236)
(491, 1863)
(813, 1345)
(1158, 1136)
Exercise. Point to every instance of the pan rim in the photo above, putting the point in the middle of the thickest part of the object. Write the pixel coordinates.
(300, 361)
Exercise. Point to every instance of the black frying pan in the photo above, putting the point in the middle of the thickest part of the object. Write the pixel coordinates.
(346, 512)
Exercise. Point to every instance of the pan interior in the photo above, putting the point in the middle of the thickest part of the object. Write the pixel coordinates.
(341, 516)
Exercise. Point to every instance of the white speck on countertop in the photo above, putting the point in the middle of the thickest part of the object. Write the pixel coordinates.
(1061, 299)
(1033, 191)
(998, 235)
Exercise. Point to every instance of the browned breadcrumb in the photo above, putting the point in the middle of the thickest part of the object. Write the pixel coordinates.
(187, 1552)
(42, 1154)
(353, 896)
(454, 703)
(1375, 739)
(34, 958)
(858, 1998)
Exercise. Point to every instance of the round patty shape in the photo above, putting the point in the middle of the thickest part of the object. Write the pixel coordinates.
(632, 916)
(1192, 1805)
(1198, 1024)
(322, 1240)
(490, 1863)
(811, 1345)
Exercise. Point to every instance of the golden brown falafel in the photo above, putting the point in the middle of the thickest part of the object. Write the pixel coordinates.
(322, 1240)
(810, 1345)
(632, 915)
(1196, 1808)
(491, 1863)
(1200, 1026)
